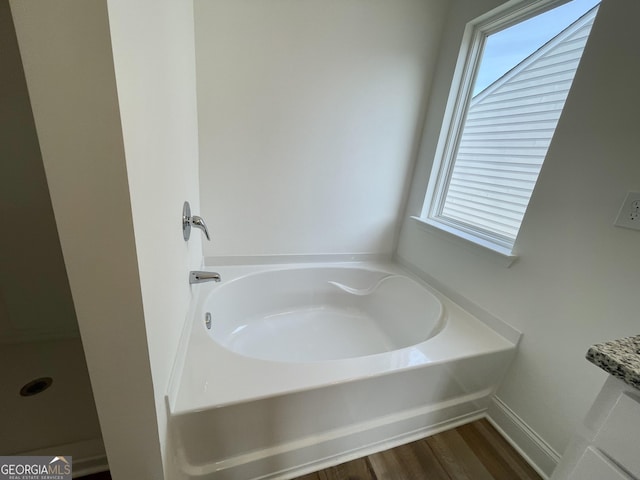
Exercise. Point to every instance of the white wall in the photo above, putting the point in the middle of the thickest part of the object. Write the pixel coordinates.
(24, 195)
(66, 51)
(38, 327)
(307, 117)
(154, 58)
(576, 281)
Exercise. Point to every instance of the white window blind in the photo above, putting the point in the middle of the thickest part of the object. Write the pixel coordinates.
(504, 138)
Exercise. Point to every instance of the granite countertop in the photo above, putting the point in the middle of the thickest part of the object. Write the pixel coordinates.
(620, 358)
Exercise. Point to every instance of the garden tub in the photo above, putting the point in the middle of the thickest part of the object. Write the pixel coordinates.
(284, 369)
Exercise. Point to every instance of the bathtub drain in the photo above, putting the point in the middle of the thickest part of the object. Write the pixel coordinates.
(207, 320)
(36, 386)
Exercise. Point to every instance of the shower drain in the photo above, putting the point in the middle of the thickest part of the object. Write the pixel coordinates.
(36, 386)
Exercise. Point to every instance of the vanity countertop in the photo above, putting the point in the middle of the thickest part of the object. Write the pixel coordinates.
(620, 358)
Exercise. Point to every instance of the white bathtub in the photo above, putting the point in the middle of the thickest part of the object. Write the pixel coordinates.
(310, 365)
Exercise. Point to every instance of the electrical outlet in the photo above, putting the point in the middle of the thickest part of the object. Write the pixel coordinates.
(629, 214)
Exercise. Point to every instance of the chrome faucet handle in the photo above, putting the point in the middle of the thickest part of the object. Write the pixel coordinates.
(198, 222)
(195, 220)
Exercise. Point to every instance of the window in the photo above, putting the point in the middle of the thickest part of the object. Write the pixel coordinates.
(514, 76)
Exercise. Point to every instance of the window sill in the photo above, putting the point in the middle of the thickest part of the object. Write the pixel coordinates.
(494, 252)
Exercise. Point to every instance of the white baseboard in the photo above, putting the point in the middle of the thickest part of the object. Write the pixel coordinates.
(88, 455)
(538, 453)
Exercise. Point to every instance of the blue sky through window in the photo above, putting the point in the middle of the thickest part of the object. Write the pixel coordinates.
(505, 49)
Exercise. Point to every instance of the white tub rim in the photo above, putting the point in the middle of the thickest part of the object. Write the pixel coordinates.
(191, 393)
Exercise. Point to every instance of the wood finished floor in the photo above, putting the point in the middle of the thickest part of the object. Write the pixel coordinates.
(475, 451)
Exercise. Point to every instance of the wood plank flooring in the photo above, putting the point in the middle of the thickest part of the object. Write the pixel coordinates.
(475, 451)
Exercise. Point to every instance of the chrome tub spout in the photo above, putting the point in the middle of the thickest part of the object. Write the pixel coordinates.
(201, 277)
